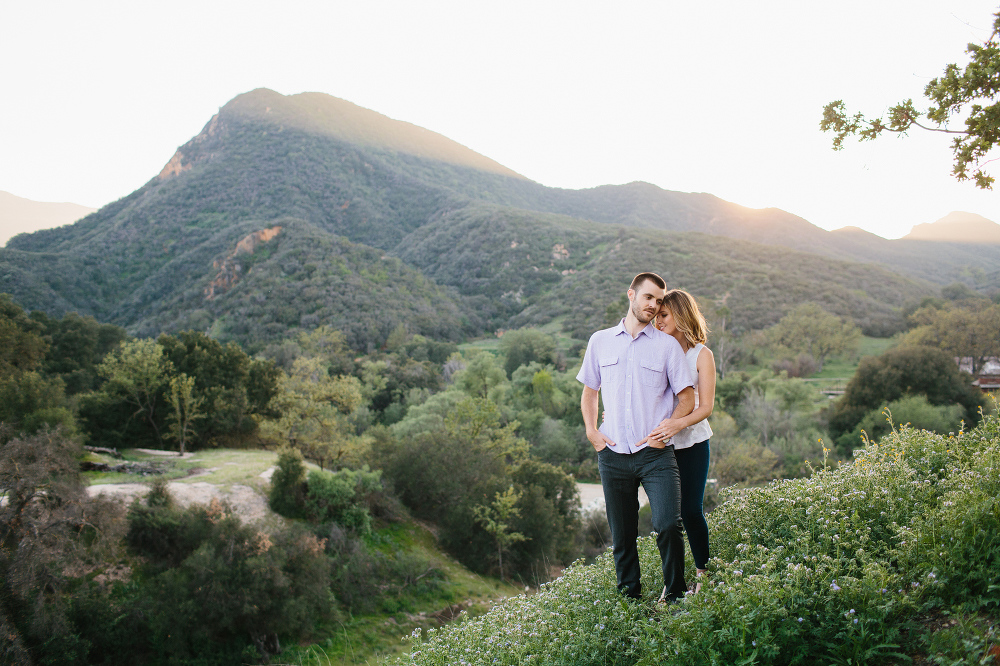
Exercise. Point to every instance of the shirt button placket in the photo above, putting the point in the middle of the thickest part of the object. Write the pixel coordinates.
(628, 396)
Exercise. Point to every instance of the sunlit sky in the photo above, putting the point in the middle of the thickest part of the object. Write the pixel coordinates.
(719, 97)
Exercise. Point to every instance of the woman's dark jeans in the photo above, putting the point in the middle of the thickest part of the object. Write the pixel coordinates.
(656, 470)
(692, 463)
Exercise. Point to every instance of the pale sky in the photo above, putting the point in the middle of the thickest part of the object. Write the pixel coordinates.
(719, 97)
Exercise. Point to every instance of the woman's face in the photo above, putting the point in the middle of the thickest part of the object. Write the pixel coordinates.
(665, 321)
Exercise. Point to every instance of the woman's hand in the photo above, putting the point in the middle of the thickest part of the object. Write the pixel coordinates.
(667, 429)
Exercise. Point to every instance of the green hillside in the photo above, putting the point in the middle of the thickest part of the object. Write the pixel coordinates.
(543, 267)
(892, 559)
(383, 222)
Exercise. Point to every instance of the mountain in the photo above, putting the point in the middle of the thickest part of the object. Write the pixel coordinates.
(21, 216)
(284, 213)
(958, 227)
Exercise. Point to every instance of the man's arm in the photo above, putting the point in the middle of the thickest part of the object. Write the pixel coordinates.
(588, 405)
(667, 427)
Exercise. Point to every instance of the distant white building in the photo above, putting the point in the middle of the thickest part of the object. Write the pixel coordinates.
(987, 379)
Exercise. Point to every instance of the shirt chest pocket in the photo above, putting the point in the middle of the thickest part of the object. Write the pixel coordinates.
(652, 373)
(611, 370)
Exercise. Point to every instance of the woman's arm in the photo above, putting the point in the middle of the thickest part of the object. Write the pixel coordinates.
(706, 399)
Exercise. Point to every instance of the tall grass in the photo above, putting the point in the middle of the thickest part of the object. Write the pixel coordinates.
(829, 568)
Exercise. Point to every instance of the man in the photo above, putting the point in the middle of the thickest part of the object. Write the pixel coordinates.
(638, 370)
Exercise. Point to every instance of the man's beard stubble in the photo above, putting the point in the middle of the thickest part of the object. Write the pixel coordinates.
(640, 315)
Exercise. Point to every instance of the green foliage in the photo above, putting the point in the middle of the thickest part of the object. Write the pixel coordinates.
(77, 344)
(288, 483)
(223, 388)
(969, 93)
(443, 466)
(22, 346)
(912, 410)
(312, 412)
(49, 529)
(136, 374)
(230, 386)
(339, 497)
(829, 569)
(808, 329)
(527, 345)
(186, 409)
(481, 376)
(219, 585)
(899, 372)
(966, 332)
(496, 518)
(31, 402)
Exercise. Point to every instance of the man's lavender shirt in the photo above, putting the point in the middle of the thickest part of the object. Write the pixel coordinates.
(637, 379)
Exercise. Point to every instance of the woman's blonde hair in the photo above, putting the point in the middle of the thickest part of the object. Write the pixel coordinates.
(687, 316)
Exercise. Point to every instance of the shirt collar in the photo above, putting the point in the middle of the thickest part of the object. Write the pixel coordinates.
(648, 329)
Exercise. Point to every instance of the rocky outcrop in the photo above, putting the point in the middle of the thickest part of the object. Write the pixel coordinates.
(177, 164)
(230, 269)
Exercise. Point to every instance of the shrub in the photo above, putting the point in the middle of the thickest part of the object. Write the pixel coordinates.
(339, 497)
(287, 494)
(912, 410)
(215, 585)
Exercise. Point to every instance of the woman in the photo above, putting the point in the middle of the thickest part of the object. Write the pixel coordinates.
(680, 317)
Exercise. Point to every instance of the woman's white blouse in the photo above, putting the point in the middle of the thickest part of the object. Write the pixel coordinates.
(700, 431)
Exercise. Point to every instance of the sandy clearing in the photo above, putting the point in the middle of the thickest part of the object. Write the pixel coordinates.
(592, 496)
(158, 452)
(249, 505)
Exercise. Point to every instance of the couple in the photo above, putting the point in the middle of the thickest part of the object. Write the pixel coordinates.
(657, 380)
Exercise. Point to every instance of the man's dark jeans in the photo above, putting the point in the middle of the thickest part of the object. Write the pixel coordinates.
(621, 475)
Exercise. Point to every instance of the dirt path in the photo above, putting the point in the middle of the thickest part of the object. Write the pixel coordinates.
(247, 502)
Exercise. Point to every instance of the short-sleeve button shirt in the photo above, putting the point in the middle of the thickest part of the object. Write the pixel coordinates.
(637, 378)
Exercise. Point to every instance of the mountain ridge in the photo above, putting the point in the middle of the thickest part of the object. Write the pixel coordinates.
(19, 215)
(372, 237)
(957, 227)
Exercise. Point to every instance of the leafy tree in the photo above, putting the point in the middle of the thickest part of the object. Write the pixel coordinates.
(766, 419)
(481, 376)
(48, 528)
(745, 463)
(186, 409)
(137, 372)
(22, 346)
(729, 392)
(222, 585)
(959, 291)
(232, 387)
(899, 372)
(448, 457)
(972, 88)
(972, 333)
(496, 519)
(810, 329)
(313, 408)
(339, 497)
(527, 345)
(330, 345)
(77, 344)
(30, 402)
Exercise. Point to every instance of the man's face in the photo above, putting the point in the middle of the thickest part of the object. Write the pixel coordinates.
(645, 301)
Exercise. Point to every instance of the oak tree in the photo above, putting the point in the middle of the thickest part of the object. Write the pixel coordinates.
(969, 93)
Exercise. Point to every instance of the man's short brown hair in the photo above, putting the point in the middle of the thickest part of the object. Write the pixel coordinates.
(642, 277)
